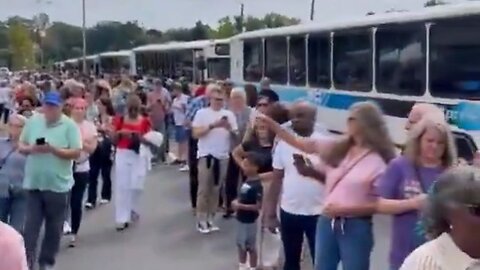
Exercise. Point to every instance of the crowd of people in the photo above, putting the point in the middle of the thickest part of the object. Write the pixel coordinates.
(272, 167)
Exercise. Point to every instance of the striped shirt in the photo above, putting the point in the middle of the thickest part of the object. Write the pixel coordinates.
(440, 254)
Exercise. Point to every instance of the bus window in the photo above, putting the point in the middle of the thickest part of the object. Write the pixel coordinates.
(218, 68)
(297, 60)
(276, 59)
(319, 61)
(352, 60)
(400, 60)
(252, 60)
(455, 59)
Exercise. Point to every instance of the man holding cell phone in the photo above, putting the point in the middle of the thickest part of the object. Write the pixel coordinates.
(51, 141)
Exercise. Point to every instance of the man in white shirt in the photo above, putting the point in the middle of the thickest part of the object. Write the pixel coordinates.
(214, 127)
(301, 193)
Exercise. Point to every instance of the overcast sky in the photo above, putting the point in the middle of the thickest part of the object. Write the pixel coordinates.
(164, 14)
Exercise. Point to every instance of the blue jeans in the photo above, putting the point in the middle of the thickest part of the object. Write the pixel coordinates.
(12, 209)
(346, 240)
(293, 228)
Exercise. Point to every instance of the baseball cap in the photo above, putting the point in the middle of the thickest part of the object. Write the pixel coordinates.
(52, 98)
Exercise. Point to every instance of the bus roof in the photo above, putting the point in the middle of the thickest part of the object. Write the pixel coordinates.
(116, 54)
(170, 46)
(436, 12)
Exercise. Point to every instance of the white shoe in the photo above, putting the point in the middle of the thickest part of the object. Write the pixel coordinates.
(184, 168)
(212, 226)
(203, 228)
(242, 266)
(66, 228)
(104, 201)
(89, 205)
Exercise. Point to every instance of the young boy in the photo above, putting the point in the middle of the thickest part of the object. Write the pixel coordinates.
(248, 206)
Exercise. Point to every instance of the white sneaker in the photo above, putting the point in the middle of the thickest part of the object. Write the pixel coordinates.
(212, 226)
(89, 205)
(104, 201)
(203, 227)
(242, 266)
(66, 228)
(184, 168)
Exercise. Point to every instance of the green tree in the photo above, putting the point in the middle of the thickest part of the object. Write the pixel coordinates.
(21, 46)
(200, 31)
(252, 23)
(226, 28)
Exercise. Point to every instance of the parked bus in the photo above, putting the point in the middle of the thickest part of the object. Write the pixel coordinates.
(394, 59)
(195, 60)
(114, 62)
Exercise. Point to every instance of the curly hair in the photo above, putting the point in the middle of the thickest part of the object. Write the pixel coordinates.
(458, 185)
(373, 131)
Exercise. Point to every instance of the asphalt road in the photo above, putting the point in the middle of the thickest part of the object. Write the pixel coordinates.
(166, 238)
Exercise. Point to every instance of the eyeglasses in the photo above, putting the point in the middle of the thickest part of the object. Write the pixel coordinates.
(218, 99)
(262, 104)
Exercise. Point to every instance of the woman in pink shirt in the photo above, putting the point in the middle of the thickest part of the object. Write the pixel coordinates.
(12, 249)
(354, 162)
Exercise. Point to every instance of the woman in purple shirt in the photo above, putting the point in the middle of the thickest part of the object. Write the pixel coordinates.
(429, 151)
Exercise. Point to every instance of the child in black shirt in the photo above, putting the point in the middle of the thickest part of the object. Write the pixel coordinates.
(248, 206)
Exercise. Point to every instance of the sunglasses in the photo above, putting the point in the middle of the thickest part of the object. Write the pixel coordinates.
(218, 99)
(262, 104)
(473, 209)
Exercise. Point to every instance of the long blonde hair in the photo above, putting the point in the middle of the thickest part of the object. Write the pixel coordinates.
(412, 147)
(373, 131)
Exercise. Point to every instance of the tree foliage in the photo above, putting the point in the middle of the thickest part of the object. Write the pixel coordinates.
(21, 46)
(62, 41)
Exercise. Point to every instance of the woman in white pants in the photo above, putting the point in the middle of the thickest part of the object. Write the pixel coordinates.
(131, 162)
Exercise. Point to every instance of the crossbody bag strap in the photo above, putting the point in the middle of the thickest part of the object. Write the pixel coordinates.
(349, 168)
(418, 177)
(4, 160)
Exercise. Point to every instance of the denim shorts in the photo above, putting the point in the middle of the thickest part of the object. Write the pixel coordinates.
(247, 235)
(180, 134)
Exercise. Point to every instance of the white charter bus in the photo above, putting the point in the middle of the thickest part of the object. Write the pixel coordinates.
(195, 60)
(114, 62)
(394, 59)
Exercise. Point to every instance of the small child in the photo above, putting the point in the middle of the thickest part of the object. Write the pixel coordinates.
(248, 207)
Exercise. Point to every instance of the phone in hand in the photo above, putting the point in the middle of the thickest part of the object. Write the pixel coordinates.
(298, 158)
(40, 141)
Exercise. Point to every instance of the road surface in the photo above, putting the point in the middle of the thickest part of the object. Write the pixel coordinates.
(166, 238)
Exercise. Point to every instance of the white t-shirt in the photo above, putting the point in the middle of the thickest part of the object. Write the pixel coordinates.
(300, 195)
(179, 109)
(5, 95)
(218, 140)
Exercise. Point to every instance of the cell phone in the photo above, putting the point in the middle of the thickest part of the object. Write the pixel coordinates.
(40, 141)
(298, 158)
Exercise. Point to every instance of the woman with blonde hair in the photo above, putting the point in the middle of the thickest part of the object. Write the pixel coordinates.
(352, 164)
(430, 150)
